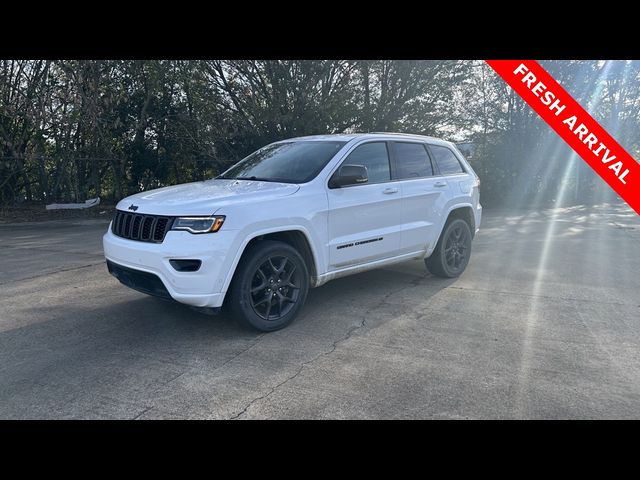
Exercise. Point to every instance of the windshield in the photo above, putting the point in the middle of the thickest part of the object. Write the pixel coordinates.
(289, 162)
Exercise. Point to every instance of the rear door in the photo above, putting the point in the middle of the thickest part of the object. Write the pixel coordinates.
(423, 195)
(364, 219)
(455, 180)
(450, 169)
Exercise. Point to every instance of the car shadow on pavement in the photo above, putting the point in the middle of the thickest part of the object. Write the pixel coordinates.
(137, 316)
(129, 347)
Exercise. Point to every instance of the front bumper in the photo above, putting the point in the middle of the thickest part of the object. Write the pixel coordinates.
(203, 288)
(142, 281)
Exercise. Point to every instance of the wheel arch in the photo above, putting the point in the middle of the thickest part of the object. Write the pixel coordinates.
(297, 237)
(460, 210)
(464, 212)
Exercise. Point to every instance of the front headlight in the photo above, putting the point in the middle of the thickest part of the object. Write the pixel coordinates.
(199, 224)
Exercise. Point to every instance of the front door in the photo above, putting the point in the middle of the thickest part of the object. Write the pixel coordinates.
(364, 219)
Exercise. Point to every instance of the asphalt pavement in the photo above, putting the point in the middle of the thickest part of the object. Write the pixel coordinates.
(545, 323)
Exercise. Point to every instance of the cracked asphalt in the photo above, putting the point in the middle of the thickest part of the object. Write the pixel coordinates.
(545, 323)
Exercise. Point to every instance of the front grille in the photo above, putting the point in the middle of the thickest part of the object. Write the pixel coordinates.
(144, 228)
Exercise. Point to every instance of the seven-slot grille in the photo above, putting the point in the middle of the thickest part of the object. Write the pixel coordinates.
(144, 228)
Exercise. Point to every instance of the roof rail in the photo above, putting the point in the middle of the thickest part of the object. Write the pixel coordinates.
(393, 133)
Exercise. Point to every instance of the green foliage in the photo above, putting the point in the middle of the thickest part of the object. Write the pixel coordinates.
(72, 129)
(521, 161)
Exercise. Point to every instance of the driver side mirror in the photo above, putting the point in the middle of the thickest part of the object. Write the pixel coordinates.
(349, 175)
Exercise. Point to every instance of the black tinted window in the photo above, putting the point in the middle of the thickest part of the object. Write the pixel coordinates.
(290, 162)
(412, 161)
(374, 156)
(446, 160)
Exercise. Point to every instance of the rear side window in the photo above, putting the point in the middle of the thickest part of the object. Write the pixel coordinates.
(447, 162)
(374, 156)
(412, 160)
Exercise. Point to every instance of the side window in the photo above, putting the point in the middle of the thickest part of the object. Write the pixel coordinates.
(412, 160)
(446, 160)
(374, 156)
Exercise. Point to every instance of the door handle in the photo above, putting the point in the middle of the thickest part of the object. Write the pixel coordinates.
(440, 184)
(390, 190)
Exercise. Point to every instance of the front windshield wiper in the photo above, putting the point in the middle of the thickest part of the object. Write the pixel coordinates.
(257, 179)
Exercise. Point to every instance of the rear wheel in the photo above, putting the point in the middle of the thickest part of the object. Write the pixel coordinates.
(452, 253)
(270, 286)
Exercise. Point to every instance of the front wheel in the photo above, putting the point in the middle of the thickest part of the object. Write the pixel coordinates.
(270, 286)
(453, 250)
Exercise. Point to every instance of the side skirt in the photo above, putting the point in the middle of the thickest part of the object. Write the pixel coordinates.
(363, 267)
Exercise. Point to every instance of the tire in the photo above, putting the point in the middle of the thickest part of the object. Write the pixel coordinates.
(269, 287)
(453, 250)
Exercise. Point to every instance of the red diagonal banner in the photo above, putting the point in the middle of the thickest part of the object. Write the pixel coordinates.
(574, 125)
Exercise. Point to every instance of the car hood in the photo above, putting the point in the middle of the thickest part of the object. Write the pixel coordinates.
(203, 198)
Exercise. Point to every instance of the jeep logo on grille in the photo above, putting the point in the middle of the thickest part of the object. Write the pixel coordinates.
(133, 207)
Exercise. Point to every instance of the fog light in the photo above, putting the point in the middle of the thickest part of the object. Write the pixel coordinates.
(186, 265)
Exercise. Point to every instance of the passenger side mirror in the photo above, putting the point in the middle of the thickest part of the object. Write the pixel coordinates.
(349, 175)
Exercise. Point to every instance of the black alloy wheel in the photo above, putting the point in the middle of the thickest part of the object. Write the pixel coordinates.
(453, 250)
(457, 248)
(269, 286)
(275, 288)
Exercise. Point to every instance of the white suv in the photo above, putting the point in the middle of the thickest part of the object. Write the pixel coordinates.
(294, 215)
